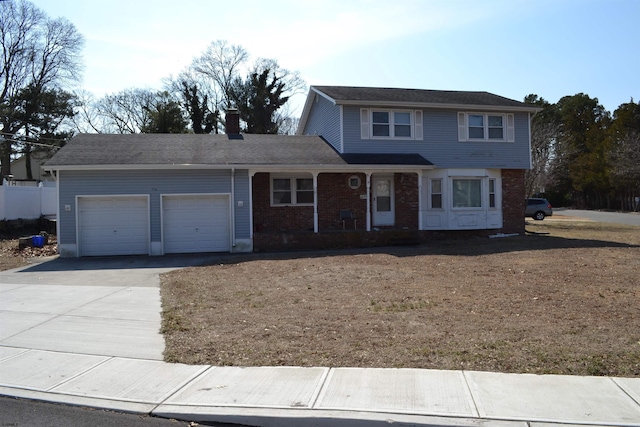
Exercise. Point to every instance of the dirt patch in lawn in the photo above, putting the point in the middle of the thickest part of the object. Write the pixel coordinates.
(13, 257)
(564, 301)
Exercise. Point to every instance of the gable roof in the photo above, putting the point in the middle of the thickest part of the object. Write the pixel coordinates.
(412, 98)
(154, 151)
(369, 95)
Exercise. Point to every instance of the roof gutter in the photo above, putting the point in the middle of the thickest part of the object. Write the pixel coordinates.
(262, 167)
(414, 105)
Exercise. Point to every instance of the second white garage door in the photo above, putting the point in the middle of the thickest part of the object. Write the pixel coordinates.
(195, 223)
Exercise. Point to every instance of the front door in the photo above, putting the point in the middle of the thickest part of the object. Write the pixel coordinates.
(383, 201)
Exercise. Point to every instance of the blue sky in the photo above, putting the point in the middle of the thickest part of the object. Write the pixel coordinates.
(508, 47)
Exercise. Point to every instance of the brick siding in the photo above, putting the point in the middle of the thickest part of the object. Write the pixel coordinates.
(513, 196)
(334, 195)
(407, 200)
(277, 218)
(291, 227)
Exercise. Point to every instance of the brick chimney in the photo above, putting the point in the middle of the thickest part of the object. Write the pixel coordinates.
(232, 122)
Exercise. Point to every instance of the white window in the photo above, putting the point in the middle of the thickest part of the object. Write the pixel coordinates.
(380, 124)
(492, 193)
(402, 125)
(291, 191)
(476, 126)
(495, 127)
(485, 127)
(390, 124)
(436, 193)
(467, 193)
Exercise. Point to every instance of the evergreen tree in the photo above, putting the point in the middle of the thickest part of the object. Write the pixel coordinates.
(257, 99)
(164, 116)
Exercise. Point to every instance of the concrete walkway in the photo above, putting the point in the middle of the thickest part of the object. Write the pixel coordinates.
(86, 332)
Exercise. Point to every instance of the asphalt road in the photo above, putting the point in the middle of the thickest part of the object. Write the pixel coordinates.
(20, 412)
(600, 216)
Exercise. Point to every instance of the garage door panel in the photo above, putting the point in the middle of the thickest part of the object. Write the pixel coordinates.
(195, 223)
(113, 226)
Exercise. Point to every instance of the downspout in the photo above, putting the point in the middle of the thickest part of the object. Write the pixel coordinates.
(368, 201)
(55, 178)
(530, 156)
(315, 202)
(251, 174)
(233, 207)
(420, 201)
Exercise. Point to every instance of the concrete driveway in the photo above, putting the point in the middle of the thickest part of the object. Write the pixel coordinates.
(98, 306)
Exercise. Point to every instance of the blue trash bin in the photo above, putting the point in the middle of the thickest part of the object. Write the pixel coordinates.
(37, 241)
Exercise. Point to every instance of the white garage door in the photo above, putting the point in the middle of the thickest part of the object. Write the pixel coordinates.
(195, 223)
(113, 225)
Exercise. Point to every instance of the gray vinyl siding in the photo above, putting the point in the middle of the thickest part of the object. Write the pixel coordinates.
(440, 142)
(324, 120)
(243, 214)
(153, 184)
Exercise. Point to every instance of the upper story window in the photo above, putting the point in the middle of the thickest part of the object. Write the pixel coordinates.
(291, 191)
(390, 124)
(485, 127)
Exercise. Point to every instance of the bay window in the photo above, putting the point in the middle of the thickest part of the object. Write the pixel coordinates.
(467, 193)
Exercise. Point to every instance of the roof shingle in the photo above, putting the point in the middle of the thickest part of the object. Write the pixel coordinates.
(217, 150)
(191, 149)
(366, 95)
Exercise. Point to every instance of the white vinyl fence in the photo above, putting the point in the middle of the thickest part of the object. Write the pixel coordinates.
(18, 202)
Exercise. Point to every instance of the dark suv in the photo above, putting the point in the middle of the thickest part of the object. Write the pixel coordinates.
(538, 209)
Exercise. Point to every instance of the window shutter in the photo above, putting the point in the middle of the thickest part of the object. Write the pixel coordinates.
(462, 127)
(418, 125)
(511, 133)
(364, 123)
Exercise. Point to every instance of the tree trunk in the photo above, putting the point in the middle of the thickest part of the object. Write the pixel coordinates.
(27, 159)
(5, 160)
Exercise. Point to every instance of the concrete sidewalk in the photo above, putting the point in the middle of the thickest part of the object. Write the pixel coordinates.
(87, 333)
(291, 396)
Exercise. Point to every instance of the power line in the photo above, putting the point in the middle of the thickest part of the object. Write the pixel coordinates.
(57, 147)
(39, 138)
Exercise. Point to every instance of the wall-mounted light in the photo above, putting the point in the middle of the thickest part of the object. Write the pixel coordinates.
(354, 182)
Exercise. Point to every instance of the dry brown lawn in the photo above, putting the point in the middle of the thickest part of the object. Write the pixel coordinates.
(566, 302)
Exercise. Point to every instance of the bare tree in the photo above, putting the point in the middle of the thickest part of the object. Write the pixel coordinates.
(87, 118)
(212, 84)
(220, 63)
(544, 131)
(38, 53)
(126, 111)
(625, 171)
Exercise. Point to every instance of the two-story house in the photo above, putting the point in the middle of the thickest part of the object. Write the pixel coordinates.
(368, 166)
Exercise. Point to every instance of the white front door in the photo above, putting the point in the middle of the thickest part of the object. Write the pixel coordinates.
(383, 201)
